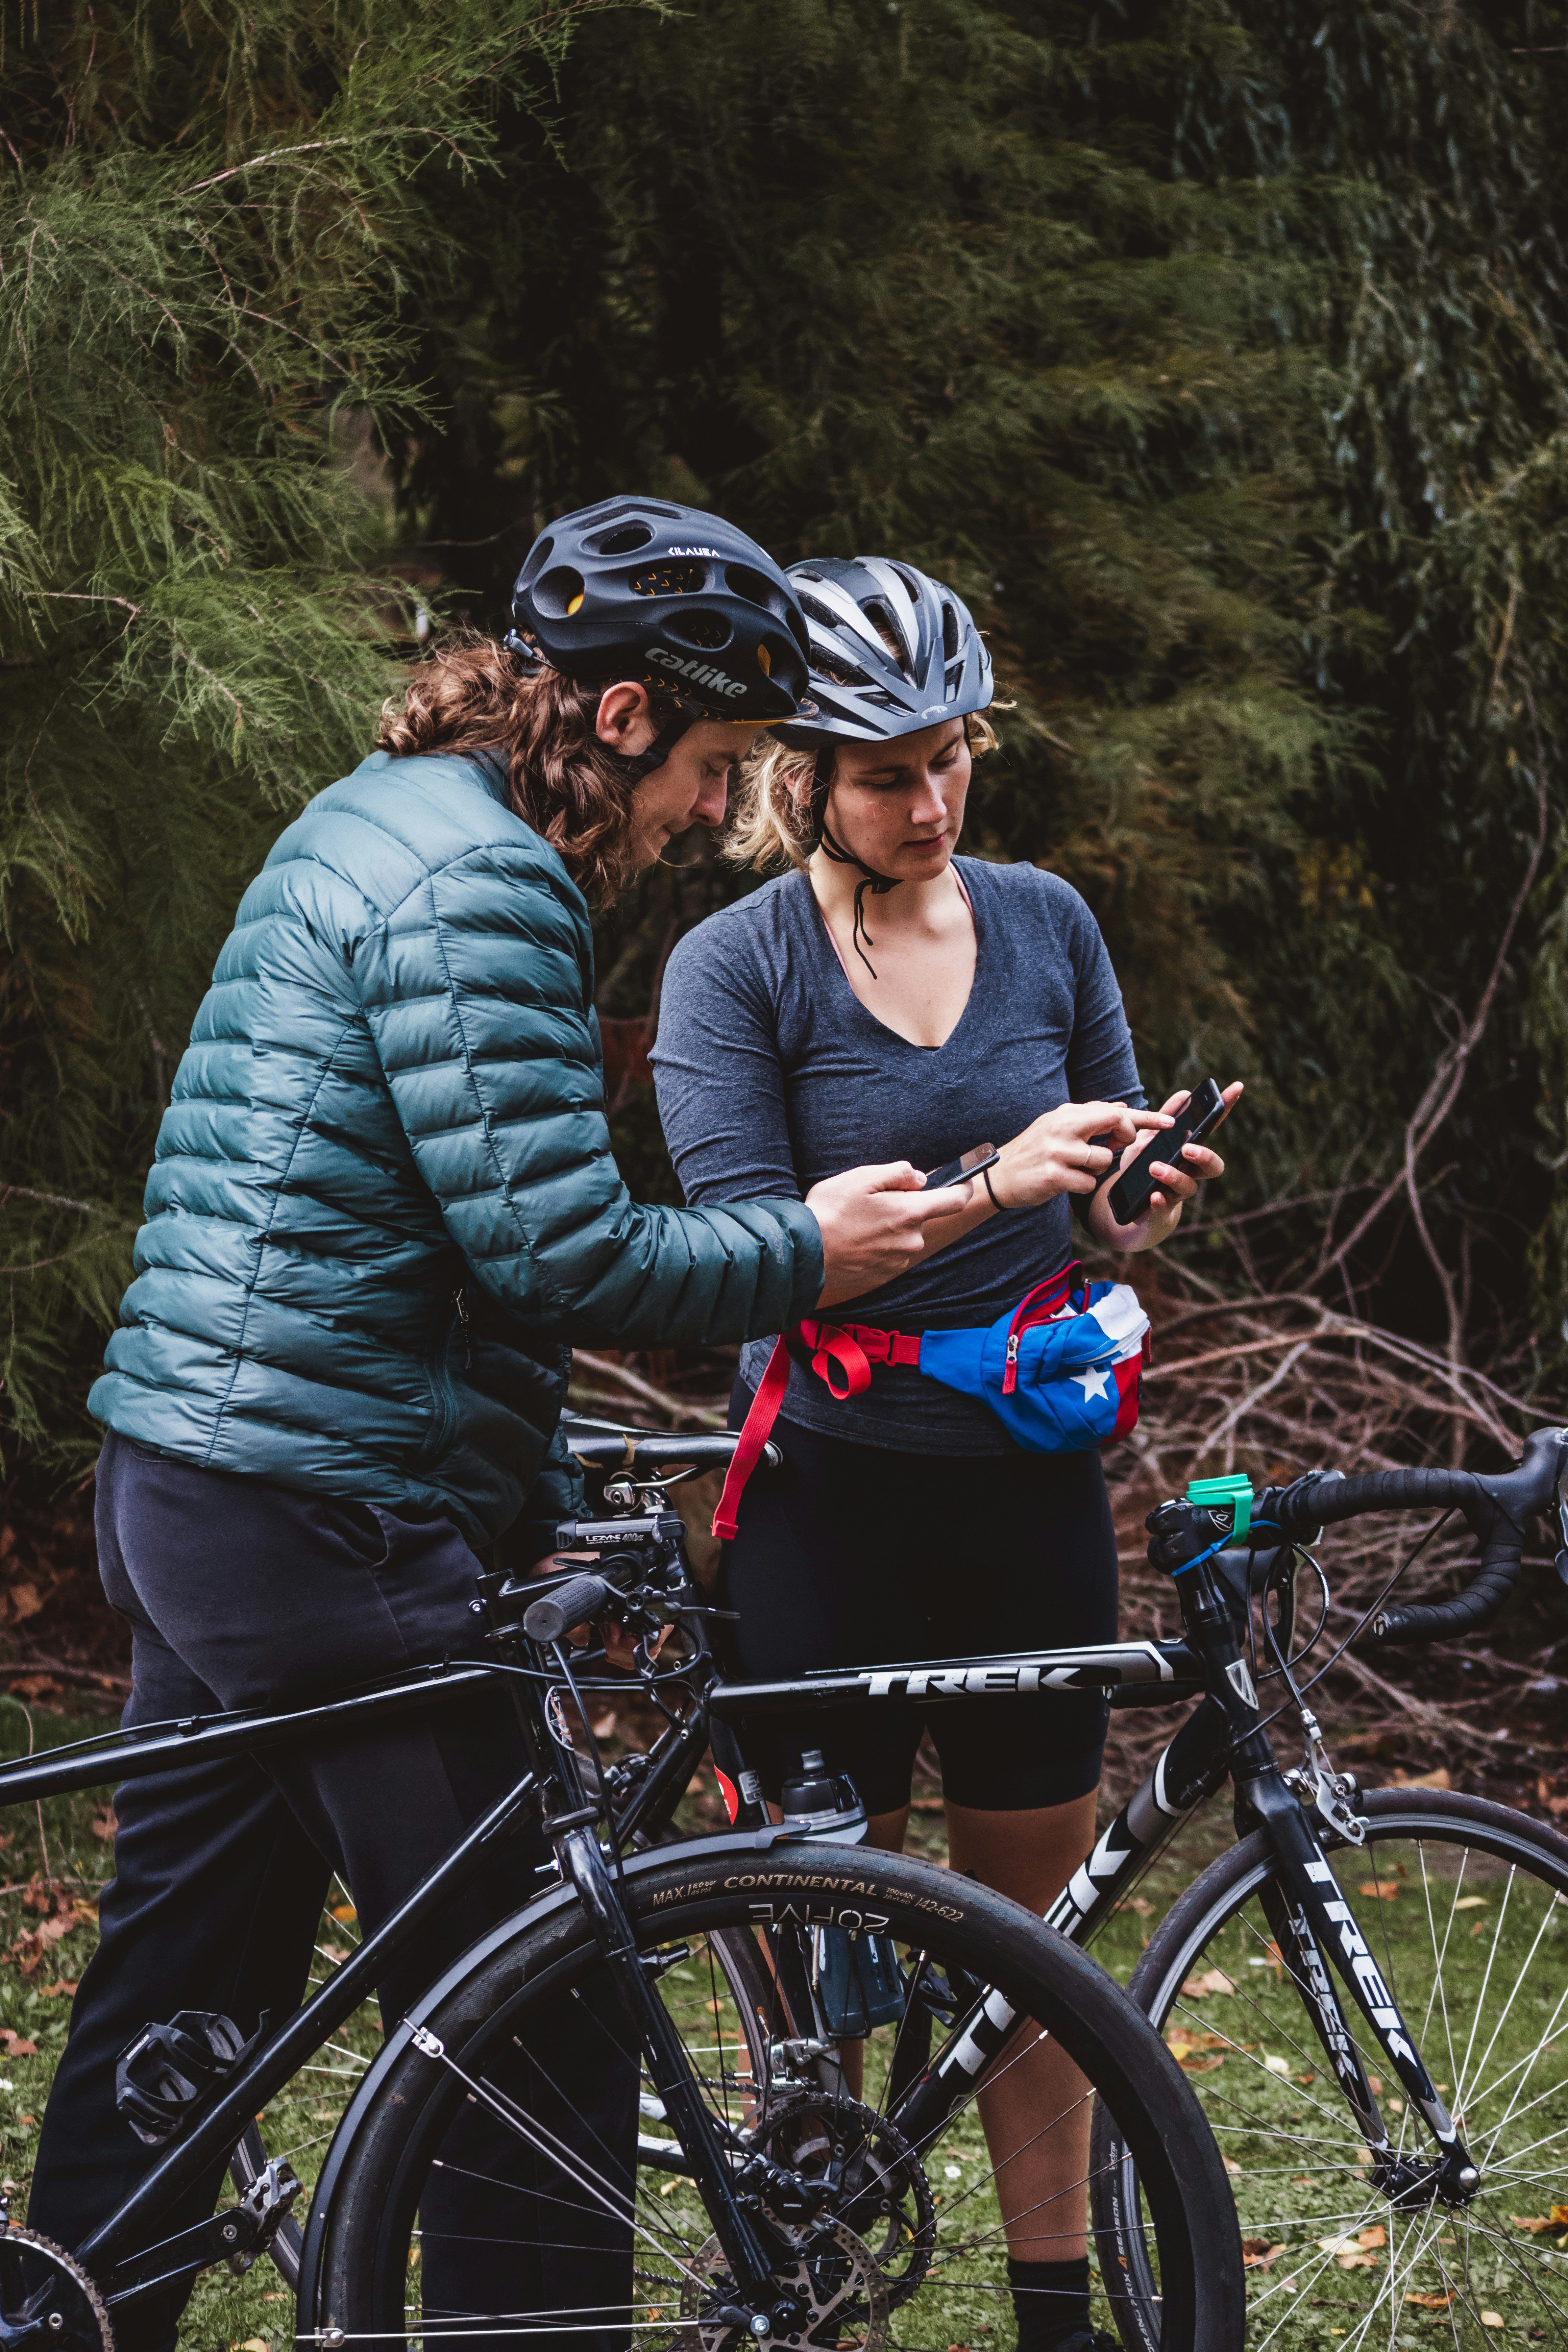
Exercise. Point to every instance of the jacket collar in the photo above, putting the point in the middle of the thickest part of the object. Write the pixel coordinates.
(493, 773)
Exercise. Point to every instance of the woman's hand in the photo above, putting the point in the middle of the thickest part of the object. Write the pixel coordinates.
(1178, 1182)
(1054, 1155)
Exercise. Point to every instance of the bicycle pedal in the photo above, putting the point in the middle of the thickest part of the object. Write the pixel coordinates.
(161, 2075)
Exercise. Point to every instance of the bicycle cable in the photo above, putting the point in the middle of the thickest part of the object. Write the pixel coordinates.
(1298, 1696)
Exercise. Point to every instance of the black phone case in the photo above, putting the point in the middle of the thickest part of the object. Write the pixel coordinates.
(1130, 1193)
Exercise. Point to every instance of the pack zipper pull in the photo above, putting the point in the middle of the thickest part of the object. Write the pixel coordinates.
(462, 1304)
(1010, 1376)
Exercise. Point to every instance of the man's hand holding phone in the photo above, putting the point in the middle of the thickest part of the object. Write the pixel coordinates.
(874, 1222)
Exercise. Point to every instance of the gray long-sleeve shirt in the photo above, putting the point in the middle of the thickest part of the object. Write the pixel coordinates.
(773, 1075)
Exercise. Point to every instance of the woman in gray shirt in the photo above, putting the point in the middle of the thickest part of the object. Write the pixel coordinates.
(802, 1032)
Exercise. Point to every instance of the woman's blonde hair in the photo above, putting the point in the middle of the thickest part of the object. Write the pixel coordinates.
(769, 824)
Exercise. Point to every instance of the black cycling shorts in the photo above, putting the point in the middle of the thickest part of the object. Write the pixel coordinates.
(853, 1555)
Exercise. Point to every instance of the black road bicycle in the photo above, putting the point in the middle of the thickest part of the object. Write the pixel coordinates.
(1369, 1988)
(847, 2079)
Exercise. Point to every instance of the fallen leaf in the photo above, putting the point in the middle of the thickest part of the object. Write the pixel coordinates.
(53, 1992)
(1212, 1980)
(333, 1952)
(24, 1600)
(1306, 2078)
(1374, 2085)
(1432, 2302)
(16, 2047)
(1384, 1889)
(1201, 2066)
(36, 1686)
(1377, 2236)
(345, 1912)
(104, 1823)
(1277, 2065)
(1256, 2253)
(1471, 1903)
(1231, 2166)
(256, 2343)
(1142, 1904)
(1539, 2224)
(28, 2121)
(1440, 1779)
(1492, 2319)
(1187, 2037)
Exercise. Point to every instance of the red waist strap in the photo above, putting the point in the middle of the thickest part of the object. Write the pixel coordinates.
(847, 1349)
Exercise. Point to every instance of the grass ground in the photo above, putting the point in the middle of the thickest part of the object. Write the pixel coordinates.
(1332, 2269)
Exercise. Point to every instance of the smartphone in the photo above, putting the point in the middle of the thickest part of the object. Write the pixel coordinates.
(982, 1156)
(1205, 1109)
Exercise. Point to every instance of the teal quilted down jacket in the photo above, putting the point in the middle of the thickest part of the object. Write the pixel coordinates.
(383, 1201)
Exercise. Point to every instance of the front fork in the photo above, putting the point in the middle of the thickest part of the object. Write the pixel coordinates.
(1311, 1918)
(570, 1822)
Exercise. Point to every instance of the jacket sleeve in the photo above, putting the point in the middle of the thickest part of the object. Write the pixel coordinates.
(556, 1494)
(477, 993)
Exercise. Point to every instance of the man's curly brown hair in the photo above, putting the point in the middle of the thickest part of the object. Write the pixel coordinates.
(469, 694)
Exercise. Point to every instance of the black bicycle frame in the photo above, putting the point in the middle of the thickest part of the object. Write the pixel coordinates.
(1223, 1738)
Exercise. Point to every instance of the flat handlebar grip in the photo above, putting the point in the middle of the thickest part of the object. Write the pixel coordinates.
(580, 1599)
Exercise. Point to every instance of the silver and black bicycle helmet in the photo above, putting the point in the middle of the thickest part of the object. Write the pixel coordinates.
(666, 596)
(891, 651)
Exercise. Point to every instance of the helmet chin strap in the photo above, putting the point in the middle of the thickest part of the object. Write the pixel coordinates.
(878, 884)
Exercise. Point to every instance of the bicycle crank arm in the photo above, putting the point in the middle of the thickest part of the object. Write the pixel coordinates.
(1321, 1921)
(748, 2250)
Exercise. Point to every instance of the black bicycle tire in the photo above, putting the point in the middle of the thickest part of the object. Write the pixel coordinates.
(249, 2159)
(1215, 1894)
(1050, 1979)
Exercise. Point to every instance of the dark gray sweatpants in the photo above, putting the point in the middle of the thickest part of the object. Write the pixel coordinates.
(240, 1593)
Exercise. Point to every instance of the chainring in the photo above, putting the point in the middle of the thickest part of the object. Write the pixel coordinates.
(833, 2295)
(880, 2189)
(46, 2300)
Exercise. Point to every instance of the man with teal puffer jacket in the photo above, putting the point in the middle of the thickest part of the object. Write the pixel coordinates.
(383, 1207)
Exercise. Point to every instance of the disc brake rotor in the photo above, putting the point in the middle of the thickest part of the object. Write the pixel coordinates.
(879, 2190)
(832, 2297)
(46, 2300)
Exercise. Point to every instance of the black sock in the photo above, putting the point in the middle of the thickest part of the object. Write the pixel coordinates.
(1051, 2300)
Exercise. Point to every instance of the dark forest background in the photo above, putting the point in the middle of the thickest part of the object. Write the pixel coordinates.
(1216, 350)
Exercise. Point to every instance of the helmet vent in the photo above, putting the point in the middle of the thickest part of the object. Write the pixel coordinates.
(559, 592)
(538, 558)
(670, 580)
(706, 631)
(887, 628)
(743, 582)
(949, 631)
(626, 540)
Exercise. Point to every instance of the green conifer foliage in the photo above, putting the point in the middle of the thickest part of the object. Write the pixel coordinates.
(1216, 350)
(207, 222)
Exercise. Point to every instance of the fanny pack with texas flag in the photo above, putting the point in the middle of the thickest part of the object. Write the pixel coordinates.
(1062, 1372)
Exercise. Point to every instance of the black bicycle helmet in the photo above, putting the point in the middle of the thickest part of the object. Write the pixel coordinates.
(664, 596)
(892, 651)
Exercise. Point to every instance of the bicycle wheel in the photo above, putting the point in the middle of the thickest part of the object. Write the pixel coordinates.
(1465, 1905)
(879, 2234)
(740, 1965)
